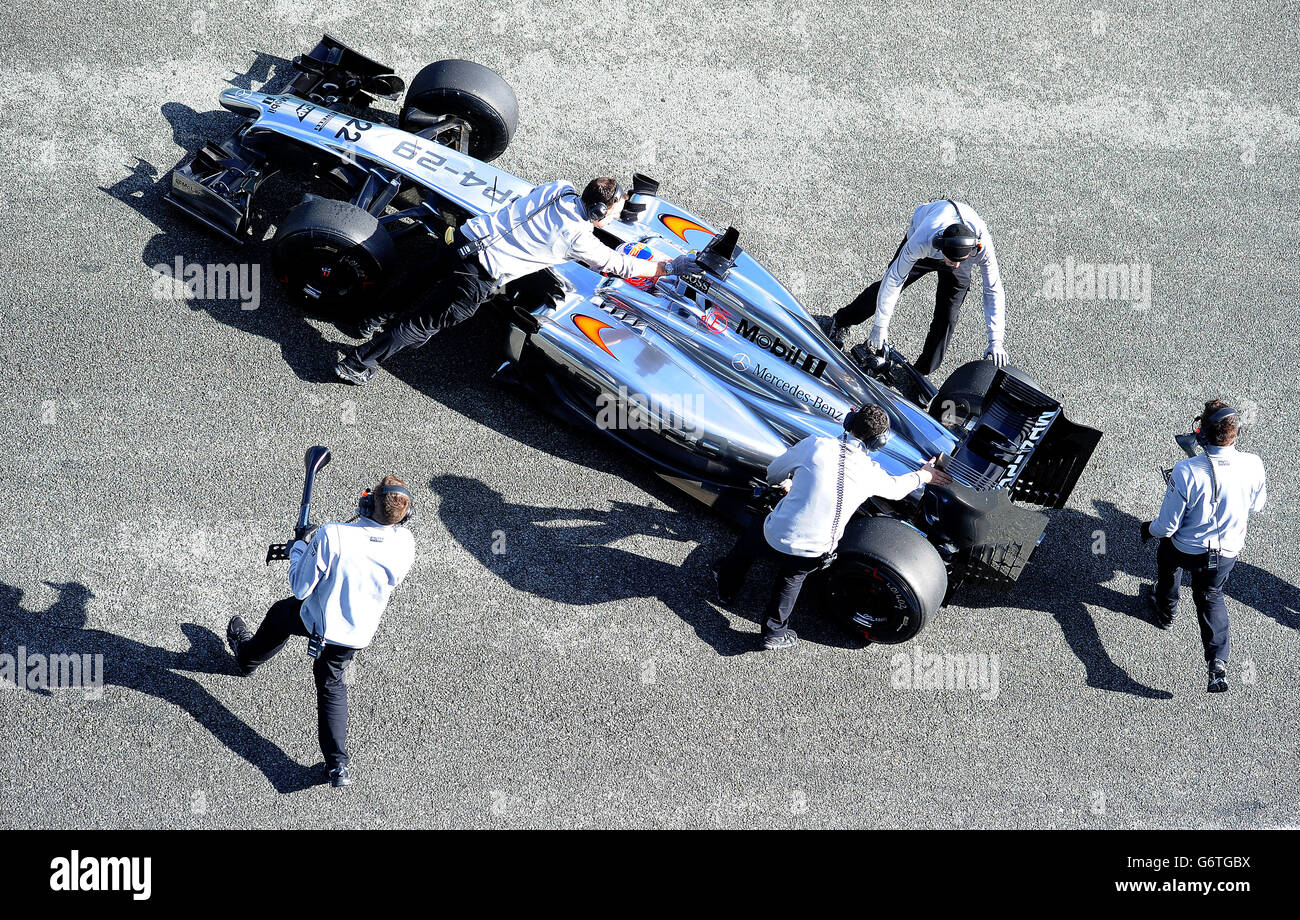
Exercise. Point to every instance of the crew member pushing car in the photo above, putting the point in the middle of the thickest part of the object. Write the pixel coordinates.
(342, 576)
(946, 237)
(1202, 528)
(550, 225)
(828, 479)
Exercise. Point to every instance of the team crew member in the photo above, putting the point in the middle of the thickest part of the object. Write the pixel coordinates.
(342, 576)
(829, 479)
(949, 238)
(550, 225)
(1202, 528)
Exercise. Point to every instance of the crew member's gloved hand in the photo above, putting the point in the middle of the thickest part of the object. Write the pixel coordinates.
(997, 354)
(876, 340)
(305, 534)
(683, 265)
(1146, 532)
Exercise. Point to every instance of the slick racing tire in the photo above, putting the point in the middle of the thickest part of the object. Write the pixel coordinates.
(333, 258)
(962, 395)
(477, 95)
(887, 581)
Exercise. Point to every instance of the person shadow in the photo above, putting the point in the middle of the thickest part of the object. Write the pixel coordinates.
(1069, 574)
(61, 630)
(1257, 588)
(566, 555)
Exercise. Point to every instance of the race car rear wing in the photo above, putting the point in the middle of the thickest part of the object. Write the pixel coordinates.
(1022, 442)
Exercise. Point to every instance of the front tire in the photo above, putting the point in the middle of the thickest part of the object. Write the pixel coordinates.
(888, 581)
(476, 95)
(333, 258)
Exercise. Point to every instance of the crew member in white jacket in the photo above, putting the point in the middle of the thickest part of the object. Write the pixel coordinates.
(549, 225)
(342, 576)
(828, 479)
(949, 238)
(1202, 528)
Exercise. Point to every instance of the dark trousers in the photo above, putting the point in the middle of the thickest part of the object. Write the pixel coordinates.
(1207, 591)
(281, 622)
(790, 575)
(948, 298)
(450, 301)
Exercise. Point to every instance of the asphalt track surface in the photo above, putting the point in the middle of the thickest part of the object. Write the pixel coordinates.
(583, 677)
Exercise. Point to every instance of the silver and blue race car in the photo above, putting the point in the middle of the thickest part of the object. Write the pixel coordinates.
(707, 376)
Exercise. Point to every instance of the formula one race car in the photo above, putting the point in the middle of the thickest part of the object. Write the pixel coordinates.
(708, 376)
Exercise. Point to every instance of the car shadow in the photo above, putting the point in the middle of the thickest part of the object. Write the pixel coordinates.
(567, 555)
(308, 353)
(1067, 579)
(61, 630)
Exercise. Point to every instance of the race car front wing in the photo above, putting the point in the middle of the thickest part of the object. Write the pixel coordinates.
(216, 184)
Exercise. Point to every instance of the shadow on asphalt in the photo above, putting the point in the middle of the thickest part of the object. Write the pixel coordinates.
(308, 353)
(1066, 578)
(576, 564)
(61, 630)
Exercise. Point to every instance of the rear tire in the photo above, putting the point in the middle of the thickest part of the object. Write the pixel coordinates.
(333, 258)
(475, 94)
(962, 395)
(887, 582)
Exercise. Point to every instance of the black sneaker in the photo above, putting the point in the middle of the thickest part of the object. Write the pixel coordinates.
(1162, 619)
(787, 639)
(339, 777)
(237, 632)
(833, 330)
(350, 371)
(1218, 677)
(726, 599)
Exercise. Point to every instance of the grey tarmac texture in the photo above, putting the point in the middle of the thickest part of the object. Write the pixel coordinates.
(582, 677)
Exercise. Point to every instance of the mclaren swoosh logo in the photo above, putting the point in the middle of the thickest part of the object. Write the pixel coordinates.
(591, 328)
(679, 225)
